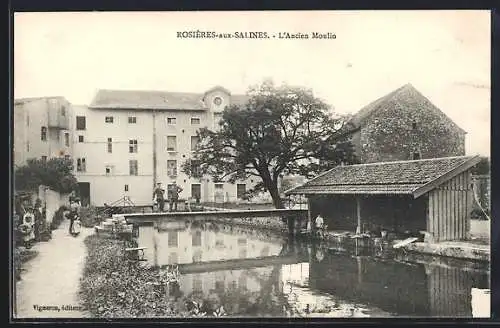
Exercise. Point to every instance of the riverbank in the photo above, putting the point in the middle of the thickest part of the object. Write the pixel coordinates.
(50, 281)
(478, 249)
(114, 287)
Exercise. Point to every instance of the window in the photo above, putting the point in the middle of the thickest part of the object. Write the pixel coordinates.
(80, 123)
(242, 282)
(416, 155)
(173, 258)
(108, 119)
(196, 239)
(240, 190)
(197, 284)
(242, 241)
(195, 121)
(197, 256)
(132, 120)
(80, 139)
(81, 165)
(110, 145)
(219, 243)
(109, 169)
(44, 159)
(219, 285)
(196, 191)
(133, 167)
(172, 168)
(414, 125)
(195, 140)
(195, 168)
(126, 187)
(171, 120)
(63, 110)
(171, 143)
(132, 146)
(173, 239)
(219, 186)
(66, 139)
(217, 101)
(43, 133)
(66, 157)
(27, 146)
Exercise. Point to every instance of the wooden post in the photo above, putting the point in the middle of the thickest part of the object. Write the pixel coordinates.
(291, 225)
(358, 212)
(359, 260)
(309, 217)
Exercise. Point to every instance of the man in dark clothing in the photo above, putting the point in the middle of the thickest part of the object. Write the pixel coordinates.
(173, 195)
(158, 195)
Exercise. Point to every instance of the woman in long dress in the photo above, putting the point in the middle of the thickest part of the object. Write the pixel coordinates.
(27, 228)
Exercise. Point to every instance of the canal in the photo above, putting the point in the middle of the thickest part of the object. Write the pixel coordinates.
(254, 273)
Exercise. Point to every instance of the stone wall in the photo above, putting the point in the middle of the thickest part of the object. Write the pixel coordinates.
(405, 126)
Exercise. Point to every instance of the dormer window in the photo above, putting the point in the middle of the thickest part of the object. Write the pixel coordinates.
(414, 125)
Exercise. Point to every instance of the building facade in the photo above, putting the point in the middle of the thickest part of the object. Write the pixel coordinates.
(127, 141)
(41, 129)
(404, 125)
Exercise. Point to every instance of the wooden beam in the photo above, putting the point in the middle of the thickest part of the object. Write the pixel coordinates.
(358, 213)
(445, 177)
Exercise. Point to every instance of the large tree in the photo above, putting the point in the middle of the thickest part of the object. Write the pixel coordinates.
(56, 173)
(281, 130)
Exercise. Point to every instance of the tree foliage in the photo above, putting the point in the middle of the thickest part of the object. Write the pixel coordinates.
(55, 173)
(483, 167)
(281, 130)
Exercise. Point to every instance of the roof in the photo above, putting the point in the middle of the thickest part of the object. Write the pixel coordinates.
(415, 177)
(160, 100)
(405, 96)
(20, 101)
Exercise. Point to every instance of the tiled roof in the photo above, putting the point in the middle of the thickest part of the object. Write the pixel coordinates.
(398, 177)
(160, 100)
(405, 96)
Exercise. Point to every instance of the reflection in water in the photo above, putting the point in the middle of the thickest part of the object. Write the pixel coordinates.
(265, 276)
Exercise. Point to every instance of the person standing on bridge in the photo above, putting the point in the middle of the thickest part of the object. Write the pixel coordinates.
(173, 195)
(158, 197)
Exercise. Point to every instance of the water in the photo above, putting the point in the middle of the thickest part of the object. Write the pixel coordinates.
(257, 274)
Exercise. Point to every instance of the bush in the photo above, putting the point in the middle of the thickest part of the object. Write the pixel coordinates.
(88, 216)
(478, 214)
(21, 257)
(112, 287)
(58, 217)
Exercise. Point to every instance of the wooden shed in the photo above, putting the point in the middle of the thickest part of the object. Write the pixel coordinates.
(434, 195)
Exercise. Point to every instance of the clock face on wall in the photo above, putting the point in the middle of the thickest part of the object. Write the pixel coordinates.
(217, 101)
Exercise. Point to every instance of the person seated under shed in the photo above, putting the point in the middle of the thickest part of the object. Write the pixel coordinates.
(319, 225)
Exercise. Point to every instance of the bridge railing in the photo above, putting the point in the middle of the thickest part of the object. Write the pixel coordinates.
(252, 204)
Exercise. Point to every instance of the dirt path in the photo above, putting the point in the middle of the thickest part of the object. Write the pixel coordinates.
(50, 282)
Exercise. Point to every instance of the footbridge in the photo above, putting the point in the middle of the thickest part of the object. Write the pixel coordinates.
(293, 216)
(238, 264)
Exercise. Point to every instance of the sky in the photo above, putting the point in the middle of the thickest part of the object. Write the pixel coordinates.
(444, 54)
